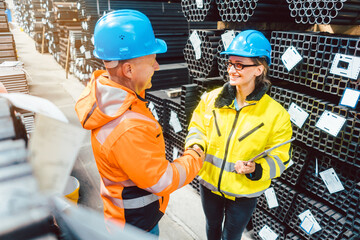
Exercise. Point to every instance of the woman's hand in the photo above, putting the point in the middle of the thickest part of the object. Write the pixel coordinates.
(243, 167)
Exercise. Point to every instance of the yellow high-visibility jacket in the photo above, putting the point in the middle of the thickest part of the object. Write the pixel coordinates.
(228, 135)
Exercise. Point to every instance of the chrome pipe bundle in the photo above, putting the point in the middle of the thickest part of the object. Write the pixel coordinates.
(206, 66)
(195, 12)
(325, 11)
(254, 10)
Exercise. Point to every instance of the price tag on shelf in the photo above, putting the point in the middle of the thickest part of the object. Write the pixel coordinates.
(227, 38)
(266, 233)
(330, 123)
(271, 198)
(290, 58)
(350, 98)
(297, 115)
(331, 180)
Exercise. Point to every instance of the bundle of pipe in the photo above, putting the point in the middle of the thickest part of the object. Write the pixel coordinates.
(325, 11)
(206, 65)
(170, 76)
(318, 52)
(195, 11)
(258, 11)
(22, 14)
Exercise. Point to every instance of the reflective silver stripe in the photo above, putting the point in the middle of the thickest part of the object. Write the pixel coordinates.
(280, 163)
(272, 166)
(213, 160)
(194, 130)
(105, 130)
(196, 137)
(182, 173)
(165, 180)
(128, 203)
(213, 188)
(126, 183)
(110, 99)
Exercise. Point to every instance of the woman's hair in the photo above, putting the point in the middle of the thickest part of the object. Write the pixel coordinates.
(263, 77)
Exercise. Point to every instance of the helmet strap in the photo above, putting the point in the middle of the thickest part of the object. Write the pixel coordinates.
(111, 64)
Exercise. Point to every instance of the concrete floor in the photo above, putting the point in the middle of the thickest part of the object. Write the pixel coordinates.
(184, 218)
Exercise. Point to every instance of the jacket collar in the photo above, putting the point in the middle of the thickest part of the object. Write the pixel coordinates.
(228, 94)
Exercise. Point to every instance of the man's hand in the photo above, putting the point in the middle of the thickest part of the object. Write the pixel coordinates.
(243, 167)
(199, 151)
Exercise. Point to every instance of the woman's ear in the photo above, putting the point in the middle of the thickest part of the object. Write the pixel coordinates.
(259, 70)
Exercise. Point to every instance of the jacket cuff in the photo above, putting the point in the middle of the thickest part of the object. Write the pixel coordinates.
(202, 148)
(257, 174)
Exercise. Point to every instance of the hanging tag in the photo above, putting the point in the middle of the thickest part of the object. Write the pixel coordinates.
(316, 168)
(297, 115)
(227, 38)
(92, 39)
(309, 223)
(290, 58)
(331, 180)
(175, 153)
(196, 43)
(199, 3)
(350, 98)
(87, 55)
(330, 123)
(266, 233)
(153, 110)
(174, 122)
(271, 198)
(82, 49)
(345, 65)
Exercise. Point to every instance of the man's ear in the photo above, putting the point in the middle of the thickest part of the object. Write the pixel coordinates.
(127, 70)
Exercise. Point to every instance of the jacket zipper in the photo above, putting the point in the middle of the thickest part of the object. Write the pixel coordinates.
(250, 132)
(227, 150)
(216, 124)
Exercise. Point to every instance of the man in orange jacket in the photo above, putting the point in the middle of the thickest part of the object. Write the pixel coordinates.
(127, 141)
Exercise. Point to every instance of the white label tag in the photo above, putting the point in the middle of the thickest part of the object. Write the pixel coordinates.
(175, 153)
(291, 162)
(290, 58)
(350, 98)
(153, 110)
(345, 65)
(199, 3)
(174, 122)
(266, 233)
(316, 167)
(87, 54)
(196, 43)
(330, 123)
(271, 198)
(82, 49)
(92, 39)
(331, 180)
(309, 223)
(297, 115)
(227, 38)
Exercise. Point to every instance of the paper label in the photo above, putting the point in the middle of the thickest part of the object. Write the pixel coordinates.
(82, 49)
(316, 167)
(346, 65)
(175, 153)
(290, 58)
(330, 123)
(266, 233)
(196, 43)
(331, 180)
(87, 55)
(309, 223)
(153, 110)
(199, 3)
(227, 38)
(350, 98)
(297, 115)
(271, 198)
(174, 122)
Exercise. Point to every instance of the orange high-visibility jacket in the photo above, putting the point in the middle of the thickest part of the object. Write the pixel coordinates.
(129, 149)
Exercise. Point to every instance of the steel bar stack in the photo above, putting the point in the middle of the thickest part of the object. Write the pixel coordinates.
(206, 65)
(4, 26)
(170, 76)
(195, 11)
(325, 12)
(253, 10)
(7, 44)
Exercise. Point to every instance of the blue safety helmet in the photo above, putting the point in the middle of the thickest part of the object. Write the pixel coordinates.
(250, 43)
(125, 34)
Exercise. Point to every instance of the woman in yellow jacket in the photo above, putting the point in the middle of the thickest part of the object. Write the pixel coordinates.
(233, 124)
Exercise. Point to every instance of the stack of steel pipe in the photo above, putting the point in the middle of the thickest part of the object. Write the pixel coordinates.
(318, 52)
(195, 11)
(170, 76)
(22, 14)
(206, 65)
(4, 26)
(253, 10)
(325, 11)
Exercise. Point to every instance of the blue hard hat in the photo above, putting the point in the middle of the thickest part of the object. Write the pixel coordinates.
(250, 43)
(125, 34)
